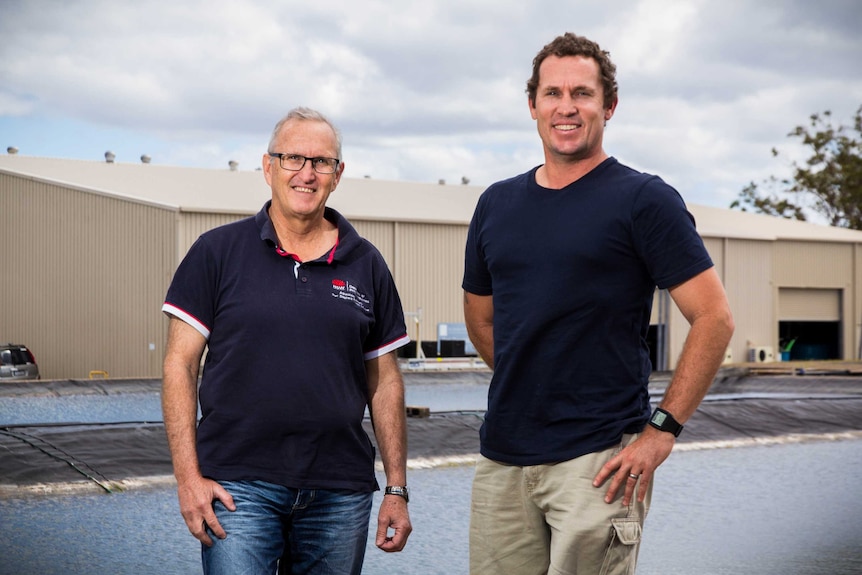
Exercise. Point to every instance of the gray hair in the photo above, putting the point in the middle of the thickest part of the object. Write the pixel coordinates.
(303, 114)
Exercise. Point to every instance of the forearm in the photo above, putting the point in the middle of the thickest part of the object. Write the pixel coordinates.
(388, 417)
(698, 363)
(391, 433)
(180, 396)
(386, 402)
(179, 410)
(483, 340)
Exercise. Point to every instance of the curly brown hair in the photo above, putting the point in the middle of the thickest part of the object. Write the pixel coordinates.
(573, 45)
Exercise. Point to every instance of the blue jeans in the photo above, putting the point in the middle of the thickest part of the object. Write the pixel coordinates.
(311, 531)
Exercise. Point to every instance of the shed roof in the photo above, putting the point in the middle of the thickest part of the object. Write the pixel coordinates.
(227, 191)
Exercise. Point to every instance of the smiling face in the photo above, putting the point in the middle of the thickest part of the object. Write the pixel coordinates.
(569, 111)
(302, 195)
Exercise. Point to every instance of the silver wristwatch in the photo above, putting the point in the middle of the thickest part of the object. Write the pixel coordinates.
(399, 490)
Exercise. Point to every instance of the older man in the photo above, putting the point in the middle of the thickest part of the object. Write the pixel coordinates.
(301, 318)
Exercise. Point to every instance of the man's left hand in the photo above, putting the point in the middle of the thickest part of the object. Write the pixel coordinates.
(633, 467)
(393, 515)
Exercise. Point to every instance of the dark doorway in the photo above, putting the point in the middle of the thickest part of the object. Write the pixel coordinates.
(810, 339)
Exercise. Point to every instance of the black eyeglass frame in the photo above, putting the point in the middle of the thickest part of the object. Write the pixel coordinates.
(304, 160)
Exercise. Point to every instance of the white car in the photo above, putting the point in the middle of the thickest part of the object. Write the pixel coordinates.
(17, 362)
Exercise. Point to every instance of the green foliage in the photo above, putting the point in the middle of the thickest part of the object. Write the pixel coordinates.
(830, 180)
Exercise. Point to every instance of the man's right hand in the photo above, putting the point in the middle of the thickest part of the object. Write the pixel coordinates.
(196, 505)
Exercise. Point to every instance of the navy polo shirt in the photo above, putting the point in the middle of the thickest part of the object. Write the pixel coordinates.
(572, 273)
(284, 389)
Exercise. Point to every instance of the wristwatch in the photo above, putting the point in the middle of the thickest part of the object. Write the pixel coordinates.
(399, 490)
(664, 421)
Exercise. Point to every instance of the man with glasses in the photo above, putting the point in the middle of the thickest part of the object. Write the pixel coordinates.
(301, 318)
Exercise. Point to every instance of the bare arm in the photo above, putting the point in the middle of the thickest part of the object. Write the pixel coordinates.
(388, 416)
(704, 304)
(479, 317)
(179, 409)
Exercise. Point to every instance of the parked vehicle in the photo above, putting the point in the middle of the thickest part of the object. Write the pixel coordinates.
(17, 362)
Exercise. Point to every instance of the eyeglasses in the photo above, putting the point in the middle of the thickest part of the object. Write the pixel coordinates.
(295, 162)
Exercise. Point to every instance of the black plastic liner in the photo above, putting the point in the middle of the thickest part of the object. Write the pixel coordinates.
(738, 407)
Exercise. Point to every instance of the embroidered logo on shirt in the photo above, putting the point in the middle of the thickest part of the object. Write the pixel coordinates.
(346, 291)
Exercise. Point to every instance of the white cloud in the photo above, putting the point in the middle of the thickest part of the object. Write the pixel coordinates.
(423, 90)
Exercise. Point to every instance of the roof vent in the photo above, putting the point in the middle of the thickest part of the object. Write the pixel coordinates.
(109, 157)
(12, 150)
(465, 180)
(145, 159)
(233, 165)
(441, 181)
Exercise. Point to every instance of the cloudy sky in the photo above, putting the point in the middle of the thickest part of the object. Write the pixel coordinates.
(424, 90)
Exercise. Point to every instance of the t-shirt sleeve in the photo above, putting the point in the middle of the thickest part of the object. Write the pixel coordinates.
(666, 236)
(191, 296)
(389, 331)
(477, 277)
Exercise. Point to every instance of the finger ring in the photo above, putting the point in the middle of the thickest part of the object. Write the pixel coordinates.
(633, 476)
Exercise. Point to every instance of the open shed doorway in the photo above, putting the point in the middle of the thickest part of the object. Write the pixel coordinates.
(810, 339)
(809, 325)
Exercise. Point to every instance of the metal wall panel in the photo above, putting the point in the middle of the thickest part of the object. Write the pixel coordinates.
(83, 275)
(796, 304)
(716, 248)
(381, 234)
(192, 224)
(748, 283)
(429, 266)
(854, 307)
(813, 264)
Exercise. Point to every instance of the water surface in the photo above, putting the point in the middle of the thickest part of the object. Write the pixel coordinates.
(792, 509)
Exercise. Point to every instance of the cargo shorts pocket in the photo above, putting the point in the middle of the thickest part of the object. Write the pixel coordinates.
(621, 556)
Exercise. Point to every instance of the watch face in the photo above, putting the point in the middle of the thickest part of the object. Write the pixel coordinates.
(658, 418)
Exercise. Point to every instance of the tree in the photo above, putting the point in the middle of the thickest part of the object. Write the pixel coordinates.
(829, 183)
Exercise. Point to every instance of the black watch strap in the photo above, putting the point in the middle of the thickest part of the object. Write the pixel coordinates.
(664, 421)
(399, 490)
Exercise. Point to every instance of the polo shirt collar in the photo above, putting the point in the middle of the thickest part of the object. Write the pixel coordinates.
(348, 238)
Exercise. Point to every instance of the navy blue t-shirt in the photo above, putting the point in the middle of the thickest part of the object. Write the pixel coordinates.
(572, 273)
(284, 390)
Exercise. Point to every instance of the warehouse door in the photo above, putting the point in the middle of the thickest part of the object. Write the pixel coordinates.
(809, 323)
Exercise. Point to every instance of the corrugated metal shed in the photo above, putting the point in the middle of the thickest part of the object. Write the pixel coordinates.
(243, 192)
(123, 228)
